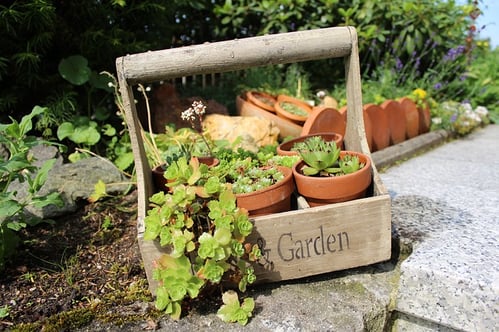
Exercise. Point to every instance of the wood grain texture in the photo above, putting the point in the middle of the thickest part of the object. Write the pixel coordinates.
(237, 54)
(322, 239)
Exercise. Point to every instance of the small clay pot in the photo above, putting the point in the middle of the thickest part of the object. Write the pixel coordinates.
(273, 199)
(284, 149)
(321, 190)
(324, 119)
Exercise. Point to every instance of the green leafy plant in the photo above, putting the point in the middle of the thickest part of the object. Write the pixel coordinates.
(19, 166)
(323, 158)
(233, 311)
(206, 231)
(248, 171)
(4, 311)
(89, 131)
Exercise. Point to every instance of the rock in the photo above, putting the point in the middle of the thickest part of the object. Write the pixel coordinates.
(75, 182)
(255, 132)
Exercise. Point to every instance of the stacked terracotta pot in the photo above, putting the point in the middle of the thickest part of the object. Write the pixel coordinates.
(394, 121)
(314, 119)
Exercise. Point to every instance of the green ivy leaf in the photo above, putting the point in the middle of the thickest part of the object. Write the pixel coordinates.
(9, 207)
(165, 236)
(85, 135)
(101, 81)
(223, 236)
(162, 298)
(212, 270)
(207, 246)
(108, 130)
(232, 311)
(153, 227)
(75, 69)
(124, 160)
(99, 192)
(66, 129)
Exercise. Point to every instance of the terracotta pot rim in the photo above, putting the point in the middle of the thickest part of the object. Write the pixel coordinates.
(250, 96)
(285, 148)
(364, 157)
(290, 116)
(283, 97)
(288, 173)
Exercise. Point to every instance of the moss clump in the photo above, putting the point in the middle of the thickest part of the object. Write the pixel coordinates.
(64, 321)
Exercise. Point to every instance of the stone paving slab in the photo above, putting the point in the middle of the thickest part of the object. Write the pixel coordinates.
(446, 206)
(447, 229)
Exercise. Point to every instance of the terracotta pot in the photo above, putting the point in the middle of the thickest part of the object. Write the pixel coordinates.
(396, 121)
(424, 117)
(284, 149)
(367, 125)
(286, 128)
(324, 119)
(334, 189)
(380, 126)
(273, 199)
(368, 129)
(293, 100)
(158, 172)
(343, 112)
(303, 107)
(411, 117)
(262, 100)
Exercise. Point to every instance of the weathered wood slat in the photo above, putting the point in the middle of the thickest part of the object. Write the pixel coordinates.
(328, 238)
(236, 54)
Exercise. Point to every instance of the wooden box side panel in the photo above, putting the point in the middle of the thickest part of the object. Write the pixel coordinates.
(323, 239)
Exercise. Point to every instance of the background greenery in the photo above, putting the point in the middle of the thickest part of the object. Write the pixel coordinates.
(57, 64)
(403, 45)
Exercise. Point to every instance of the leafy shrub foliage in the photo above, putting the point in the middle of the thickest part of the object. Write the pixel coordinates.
(19, 166)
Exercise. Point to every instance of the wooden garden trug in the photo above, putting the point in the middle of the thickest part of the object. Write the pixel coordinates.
(296, 243)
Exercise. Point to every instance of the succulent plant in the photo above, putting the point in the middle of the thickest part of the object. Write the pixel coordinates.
(323, 158)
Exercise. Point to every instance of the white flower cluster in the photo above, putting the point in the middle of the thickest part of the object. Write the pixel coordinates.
(460, 118)
(197, 109)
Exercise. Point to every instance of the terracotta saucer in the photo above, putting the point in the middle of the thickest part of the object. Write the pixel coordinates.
(396, 120)
(368, 129)
(411, 116)
(380, 126)
(324, 119)
(424, 118)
